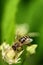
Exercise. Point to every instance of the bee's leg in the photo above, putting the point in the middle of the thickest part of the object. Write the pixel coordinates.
(19, 49)
(17, 37)
(18, 60)
(29, 44)
(17, 57)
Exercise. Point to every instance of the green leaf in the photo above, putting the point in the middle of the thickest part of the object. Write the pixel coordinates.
(8, 20)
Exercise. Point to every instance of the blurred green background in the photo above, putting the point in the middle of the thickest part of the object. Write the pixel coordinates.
(14, 12)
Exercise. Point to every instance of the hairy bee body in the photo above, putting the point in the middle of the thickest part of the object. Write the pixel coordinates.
(21, 41)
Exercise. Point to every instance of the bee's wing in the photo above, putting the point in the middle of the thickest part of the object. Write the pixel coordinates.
(17, 37)
(33, 34)
(21, 29)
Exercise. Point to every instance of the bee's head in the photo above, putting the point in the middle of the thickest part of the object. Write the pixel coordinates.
(29, 40)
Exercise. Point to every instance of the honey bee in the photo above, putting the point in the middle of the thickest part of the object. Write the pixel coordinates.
(24, 40)
(11, 54)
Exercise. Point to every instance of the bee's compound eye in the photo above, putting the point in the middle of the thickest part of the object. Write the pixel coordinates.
(29, 40)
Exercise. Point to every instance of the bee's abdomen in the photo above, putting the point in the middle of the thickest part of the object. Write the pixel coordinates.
(15, 46)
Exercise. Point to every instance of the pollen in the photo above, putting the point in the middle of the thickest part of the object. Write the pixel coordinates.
(10, 54)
